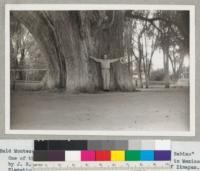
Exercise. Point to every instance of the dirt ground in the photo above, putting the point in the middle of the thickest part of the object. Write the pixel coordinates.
(146, 110)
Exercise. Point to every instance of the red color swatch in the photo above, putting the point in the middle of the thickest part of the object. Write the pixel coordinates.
(103, 155)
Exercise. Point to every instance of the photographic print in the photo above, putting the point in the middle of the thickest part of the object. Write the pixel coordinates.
(100, 69)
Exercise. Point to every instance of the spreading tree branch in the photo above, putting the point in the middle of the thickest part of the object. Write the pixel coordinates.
(152, 21)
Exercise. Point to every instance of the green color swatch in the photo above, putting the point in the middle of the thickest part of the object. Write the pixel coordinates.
(132, 155)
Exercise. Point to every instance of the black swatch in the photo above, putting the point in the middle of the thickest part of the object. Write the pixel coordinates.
(40, 145)
(40, 155)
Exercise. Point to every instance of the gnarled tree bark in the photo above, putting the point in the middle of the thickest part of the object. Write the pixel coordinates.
(68, 38)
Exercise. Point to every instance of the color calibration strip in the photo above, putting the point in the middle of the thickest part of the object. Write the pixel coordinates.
(76, 150)
(104, 155)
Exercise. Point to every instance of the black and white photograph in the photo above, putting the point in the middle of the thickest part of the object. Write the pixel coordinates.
(100, 70)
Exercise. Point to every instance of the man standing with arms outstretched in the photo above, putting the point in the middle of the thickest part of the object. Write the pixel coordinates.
(105, 69)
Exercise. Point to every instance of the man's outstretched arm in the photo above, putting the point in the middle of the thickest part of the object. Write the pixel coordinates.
(95, 59)
(117, 59)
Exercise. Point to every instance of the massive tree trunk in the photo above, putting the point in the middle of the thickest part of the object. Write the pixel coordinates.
(68, 38)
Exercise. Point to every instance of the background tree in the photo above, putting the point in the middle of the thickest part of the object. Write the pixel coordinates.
(25, 53)
(148, 46)
(144, 45)
(168, 24)
(171, 34)
(176, 59)
(177, 54)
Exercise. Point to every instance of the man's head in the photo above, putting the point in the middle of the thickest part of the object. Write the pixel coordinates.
(105, 56)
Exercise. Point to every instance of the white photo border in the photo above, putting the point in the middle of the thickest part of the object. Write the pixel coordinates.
(71, 7)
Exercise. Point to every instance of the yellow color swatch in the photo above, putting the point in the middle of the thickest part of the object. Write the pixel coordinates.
(118, 155)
